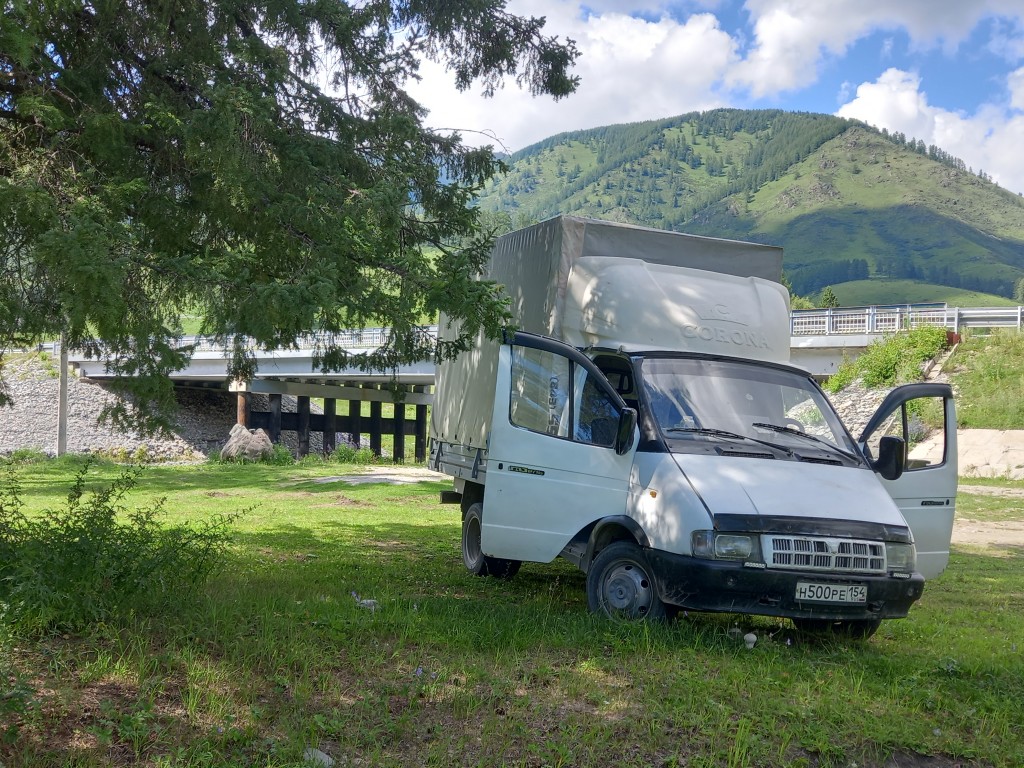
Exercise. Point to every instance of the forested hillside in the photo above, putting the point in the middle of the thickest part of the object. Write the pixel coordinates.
(846, 202)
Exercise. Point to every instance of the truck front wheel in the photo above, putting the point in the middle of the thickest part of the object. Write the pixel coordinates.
(620, 586)
(473, 555)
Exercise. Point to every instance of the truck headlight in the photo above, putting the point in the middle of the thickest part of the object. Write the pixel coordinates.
(722, 546)
(900, 557)
(732, 547)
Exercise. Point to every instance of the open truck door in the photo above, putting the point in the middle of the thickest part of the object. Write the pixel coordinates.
(924, 458)
(560, 450)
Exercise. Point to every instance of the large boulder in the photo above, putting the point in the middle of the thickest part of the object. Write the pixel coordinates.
(247, 445)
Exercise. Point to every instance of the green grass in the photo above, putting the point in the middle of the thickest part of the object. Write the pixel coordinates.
(892, 360)
(860, 293)
(454, 669)
(988, 374)
(991, 509)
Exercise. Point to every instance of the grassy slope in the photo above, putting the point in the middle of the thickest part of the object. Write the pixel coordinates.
(863, 169)
(860, 293)
(988, 373)
(454, 669)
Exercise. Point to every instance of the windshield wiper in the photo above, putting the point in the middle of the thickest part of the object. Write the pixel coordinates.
(729, 436)
(815, 438)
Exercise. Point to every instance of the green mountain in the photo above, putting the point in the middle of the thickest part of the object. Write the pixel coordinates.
(847, 202)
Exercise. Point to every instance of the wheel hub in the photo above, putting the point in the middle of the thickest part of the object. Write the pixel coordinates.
(627, 590)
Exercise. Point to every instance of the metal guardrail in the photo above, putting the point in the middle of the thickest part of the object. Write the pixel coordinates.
(357, 338)
(890, 319)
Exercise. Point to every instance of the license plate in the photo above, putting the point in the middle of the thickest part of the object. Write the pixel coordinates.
(831, 593)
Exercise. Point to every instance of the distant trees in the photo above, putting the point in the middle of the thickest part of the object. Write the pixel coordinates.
(813, 277)
(932, 152)
(828, 299)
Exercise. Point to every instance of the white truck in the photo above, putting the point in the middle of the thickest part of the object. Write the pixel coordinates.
(644, 423)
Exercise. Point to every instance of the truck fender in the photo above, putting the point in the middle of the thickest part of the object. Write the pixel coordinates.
(613, 528)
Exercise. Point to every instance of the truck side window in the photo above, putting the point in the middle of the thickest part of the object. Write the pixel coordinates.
(541, 384)
(554, 396)
(921, 424)
(597, 416)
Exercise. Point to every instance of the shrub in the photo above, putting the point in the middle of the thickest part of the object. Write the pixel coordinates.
(349, 454)
(280, 456)
(95, 559)
(16, 696)
(27, 456)
(893, 360)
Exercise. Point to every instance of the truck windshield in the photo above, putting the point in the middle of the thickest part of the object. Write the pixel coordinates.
(694, 399)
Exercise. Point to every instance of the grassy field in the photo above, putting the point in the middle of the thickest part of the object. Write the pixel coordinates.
(858, 293)
(276, 655)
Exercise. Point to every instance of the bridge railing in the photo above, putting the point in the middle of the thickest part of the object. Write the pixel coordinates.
(356, 338)
(889, 319)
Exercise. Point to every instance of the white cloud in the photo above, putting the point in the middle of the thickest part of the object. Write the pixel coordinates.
(630, 70)
(1007, 40)
(1015, 84)
(988, 140)
(792, 37)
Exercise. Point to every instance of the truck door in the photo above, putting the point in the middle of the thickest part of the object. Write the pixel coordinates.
(924, 416)
(560, 451)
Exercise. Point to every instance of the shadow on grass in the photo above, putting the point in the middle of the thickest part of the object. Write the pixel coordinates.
(280, 652)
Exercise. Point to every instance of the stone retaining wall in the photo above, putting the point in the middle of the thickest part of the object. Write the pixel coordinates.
(204, 418)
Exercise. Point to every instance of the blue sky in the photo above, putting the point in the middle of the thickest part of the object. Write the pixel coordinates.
(949, 72)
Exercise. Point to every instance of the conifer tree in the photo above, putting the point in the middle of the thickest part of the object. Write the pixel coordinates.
(259, 165)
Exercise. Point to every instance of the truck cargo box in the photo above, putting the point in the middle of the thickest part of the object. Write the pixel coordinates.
(592, 283)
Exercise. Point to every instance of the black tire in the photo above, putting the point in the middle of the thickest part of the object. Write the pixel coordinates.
(619, 584)
(851, 629)
(473, 557)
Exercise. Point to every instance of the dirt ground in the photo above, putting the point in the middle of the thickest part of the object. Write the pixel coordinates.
(989, 533)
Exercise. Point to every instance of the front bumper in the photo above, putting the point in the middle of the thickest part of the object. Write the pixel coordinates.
(715, 585)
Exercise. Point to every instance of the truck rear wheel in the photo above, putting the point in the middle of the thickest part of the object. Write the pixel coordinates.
(620, 586)
(473, 556)
(854, 629)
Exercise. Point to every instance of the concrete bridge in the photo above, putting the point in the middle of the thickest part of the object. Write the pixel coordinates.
(820, 339)
(291, 372)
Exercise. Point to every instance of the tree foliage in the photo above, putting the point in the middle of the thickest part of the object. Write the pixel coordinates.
(258, 164)
(828, 299)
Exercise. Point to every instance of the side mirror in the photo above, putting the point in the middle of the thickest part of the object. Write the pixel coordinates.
(626, 430)
(892, 457)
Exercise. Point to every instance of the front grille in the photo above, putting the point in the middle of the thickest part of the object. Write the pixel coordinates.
(815, 553)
